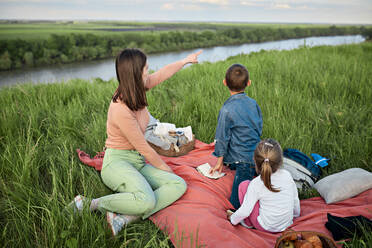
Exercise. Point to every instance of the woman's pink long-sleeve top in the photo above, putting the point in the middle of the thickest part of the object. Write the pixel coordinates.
(125, 128)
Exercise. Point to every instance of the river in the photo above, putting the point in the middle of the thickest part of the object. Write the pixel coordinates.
(105, 69)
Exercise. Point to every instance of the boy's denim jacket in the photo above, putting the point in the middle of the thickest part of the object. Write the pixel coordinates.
(238, 130)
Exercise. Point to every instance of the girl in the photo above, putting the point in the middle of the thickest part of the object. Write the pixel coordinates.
(143, 189)
(269, 201)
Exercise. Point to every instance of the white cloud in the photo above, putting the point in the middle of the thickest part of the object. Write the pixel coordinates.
(305, 2)
(304, 7)
(322, 2)
(192, 7)
(281, 6)
(46, 1)
(168, 6)
(216, 2)
(181, 6)
(334, 11)
(53, 14)
(252, 2)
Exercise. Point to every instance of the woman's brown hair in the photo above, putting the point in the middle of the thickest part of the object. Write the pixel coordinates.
(129, 69)
(268, 157)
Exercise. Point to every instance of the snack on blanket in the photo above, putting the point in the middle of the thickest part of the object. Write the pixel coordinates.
(313, 239)
(289, 236)
(288, 244)
(304, 239)
(302, 244)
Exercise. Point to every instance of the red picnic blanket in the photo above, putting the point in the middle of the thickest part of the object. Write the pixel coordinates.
(198, 218)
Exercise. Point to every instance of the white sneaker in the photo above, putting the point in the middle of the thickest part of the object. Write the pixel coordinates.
(77, 204)
(116, 222)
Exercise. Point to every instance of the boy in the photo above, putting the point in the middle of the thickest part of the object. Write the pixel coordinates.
(238, 130)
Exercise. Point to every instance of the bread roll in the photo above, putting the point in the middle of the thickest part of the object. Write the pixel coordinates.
(302, 244)
(313, 239)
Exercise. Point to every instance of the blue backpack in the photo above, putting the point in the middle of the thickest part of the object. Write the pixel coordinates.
(304, 160)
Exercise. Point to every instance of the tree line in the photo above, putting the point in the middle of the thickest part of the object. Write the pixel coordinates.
(74, 47)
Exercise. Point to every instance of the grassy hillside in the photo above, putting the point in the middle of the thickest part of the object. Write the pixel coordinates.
(313, 99)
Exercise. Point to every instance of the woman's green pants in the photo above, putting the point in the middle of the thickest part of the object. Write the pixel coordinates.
(142, 188)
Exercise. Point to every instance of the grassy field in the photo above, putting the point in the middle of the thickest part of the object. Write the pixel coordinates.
(37, 30)
(313, 99)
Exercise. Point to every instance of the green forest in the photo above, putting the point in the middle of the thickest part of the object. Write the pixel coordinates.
(83, 43)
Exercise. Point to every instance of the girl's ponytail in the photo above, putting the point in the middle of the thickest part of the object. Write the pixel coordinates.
(268, 157)
(266, 172)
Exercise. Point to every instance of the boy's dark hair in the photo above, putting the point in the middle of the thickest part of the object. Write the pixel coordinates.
(237, 77)
(129, 66)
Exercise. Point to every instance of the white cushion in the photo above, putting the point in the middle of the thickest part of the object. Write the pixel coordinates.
(344, 185)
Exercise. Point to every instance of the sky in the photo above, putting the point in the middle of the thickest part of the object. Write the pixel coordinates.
(270, 11)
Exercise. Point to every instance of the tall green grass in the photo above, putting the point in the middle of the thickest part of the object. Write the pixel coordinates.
(313, 99)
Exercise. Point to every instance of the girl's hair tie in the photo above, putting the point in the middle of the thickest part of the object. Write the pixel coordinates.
(269, 144)
(266, 159)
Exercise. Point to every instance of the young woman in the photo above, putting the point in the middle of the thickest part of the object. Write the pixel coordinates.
(269, 201)
(142, 189)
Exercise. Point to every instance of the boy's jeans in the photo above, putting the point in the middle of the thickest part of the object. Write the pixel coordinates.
(244, 171)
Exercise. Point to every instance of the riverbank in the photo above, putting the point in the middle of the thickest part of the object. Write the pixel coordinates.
(313, 99)
(105, 69)
(72, 43)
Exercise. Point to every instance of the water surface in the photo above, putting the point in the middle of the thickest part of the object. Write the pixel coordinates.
(105, 69)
